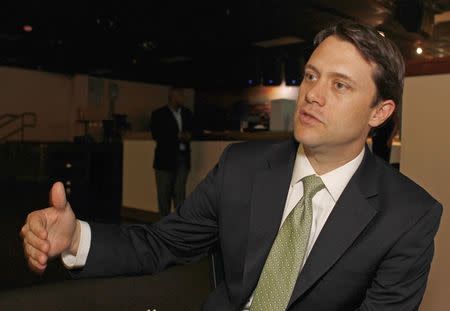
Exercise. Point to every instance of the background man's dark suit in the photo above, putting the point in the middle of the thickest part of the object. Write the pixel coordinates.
(171, 164)
(374, 252)
(165, 132)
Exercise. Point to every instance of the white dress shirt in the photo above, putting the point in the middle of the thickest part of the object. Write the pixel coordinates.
(177, 115)
(78, 261)
(323, 203)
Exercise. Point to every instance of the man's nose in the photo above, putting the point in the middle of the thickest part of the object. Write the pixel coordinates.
(315, 93)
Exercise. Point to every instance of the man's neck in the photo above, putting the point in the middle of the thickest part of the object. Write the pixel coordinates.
(324, 161)
(174, 107)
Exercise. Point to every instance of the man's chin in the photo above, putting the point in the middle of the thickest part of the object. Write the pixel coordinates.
(306, 139)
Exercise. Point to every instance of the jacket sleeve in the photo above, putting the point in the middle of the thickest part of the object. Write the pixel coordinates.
(160, 129)
(179, 238)
(401, 278)
(188, 122)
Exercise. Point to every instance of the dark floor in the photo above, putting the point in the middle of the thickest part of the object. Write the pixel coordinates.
(179, 288)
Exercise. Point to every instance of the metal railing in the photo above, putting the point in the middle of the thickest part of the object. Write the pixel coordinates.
(22, 121)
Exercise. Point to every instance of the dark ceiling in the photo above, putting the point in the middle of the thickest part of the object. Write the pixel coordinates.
(199, 43)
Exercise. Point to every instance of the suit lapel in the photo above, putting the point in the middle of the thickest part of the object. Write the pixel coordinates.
(351, 214)
(266, 209)
(171, 119)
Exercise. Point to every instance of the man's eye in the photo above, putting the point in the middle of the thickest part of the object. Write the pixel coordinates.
(309, 76)
(340, 86)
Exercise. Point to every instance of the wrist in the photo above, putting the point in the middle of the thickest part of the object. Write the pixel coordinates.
(73, 249)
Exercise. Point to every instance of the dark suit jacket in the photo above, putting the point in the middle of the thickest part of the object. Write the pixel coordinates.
(165, 132)
(374, 252)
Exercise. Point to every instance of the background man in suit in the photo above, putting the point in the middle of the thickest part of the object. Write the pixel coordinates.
(360, 235)
(171, 128)
(382, 138)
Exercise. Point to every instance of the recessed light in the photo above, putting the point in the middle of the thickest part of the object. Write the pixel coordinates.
(175, 59)
(27, 28)
(278, 42)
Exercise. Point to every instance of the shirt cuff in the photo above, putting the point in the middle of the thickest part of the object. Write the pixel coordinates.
(72, 262)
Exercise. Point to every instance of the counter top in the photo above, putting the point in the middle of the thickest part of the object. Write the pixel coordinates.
(221, 136)
(234, 135)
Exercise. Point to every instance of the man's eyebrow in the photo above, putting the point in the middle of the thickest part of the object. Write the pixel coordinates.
(309, 66)
(333, 74)
(343, 76)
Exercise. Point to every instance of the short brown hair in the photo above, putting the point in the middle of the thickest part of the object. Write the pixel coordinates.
(375, 48)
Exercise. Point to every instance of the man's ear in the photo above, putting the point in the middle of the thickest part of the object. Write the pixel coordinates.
(381, 112)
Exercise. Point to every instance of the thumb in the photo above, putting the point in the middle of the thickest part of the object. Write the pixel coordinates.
(58, 195)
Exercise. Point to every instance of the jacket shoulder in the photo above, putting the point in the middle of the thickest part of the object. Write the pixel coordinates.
(160, 110)
(404, 192)
(254, 149)
(255, 155)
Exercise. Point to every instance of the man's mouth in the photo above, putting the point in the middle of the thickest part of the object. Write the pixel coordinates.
(308, 118)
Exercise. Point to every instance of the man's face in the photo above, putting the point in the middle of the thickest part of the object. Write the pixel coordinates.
(177, 97)
(334, 103)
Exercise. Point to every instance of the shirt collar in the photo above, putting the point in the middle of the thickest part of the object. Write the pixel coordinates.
(335, 181)
(177, 111)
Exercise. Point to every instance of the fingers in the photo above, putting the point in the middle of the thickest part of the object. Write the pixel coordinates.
(34, 233)
(35, 244)
(36, 258)
(36, 266)
(35, 254)
(36, 224)
(58, 195)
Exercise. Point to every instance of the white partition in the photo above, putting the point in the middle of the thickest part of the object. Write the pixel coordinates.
(139, 185)
(425, 158)
(281, 116)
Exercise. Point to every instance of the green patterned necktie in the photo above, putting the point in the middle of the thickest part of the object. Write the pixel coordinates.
(286, 256)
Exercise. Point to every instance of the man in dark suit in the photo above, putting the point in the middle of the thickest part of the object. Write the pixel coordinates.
(361, 234)
(171, 128)
(382, 138)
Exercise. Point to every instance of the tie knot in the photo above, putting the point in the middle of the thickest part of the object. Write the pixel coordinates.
(311, 185)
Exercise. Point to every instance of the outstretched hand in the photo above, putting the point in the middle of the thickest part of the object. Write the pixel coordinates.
(51, 231)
